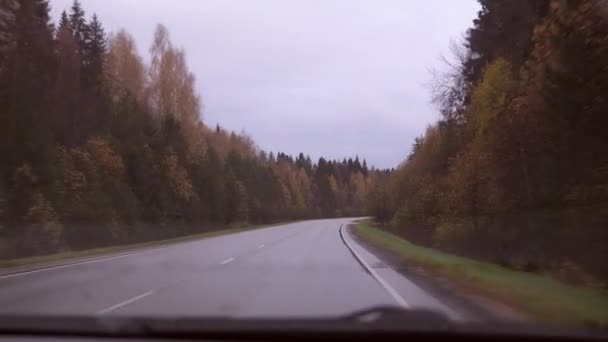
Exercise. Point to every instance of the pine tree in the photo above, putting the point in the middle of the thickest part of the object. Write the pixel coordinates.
(66, 90)
(64, 22)
(95, 50)
(26, 73)
(78, 24)
(502, 29)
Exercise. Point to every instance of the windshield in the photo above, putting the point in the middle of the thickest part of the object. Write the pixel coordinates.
(305, 160)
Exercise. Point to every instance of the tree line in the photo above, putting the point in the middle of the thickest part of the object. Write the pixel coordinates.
(516, 169)
(99, 148)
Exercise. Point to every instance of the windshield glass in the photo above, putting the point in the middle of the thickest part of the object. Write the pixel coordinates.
(305, 159)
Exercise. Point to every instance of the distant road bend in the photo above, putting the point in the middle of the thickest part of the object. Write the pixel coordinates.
(298, 269)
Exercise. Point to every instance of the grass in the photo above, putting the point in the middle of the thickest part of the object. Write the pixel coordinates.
(67, 256)
(541, 297)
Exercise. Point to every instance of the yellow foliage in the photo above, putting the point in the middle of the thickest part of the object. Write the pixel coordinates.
(41, 210)
(44, 230)
(360, 188)
(123, 68)
(491, 94)
(287, 201)
(71, 180)
(177, 177)
(108, 162)
(172, 85)
(333, 184)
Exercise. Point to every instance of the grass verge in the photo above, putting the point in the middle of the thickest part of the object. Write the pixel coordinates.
(68, 256)
(542, 298)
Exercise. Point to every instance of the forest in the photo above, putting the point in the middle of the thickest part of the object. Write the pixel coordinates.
(516, 170)
(99, 148)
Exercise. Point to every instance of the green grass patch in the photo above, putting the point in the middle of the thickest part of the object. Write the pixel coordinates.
(67, 256)
(541, 297)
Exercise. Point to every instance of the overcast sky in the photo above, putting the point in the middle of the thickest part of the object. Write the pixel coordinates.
(329, 78)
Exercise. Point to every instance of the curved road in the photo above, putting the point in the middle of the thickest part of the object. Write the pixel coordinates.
(297, 269)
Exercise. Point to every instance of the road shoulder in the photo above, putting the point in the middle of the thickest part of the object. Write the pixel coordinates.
(64, 259)
(460, 299)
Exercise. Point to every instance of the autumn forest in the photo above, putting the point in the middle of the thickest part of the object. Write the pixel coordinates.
(98, 147)
(516, 170)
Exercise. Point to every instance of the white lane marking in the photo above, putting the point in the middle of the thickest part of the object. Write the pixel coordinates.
(261, 246)
(227, 261)
(402, 302)
(122, 255)
(126, 302)
(80, 263)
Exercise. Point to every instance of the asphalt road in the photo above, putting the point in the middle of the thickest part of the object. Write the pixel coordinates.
(298, 269)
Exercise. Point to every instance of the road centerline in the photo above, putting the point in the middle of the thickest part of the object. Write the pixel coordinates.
(227, 261)
(125, 303)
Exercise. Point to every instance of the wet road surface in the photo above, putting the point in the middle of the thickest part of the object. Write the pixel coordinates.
(297, 269)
